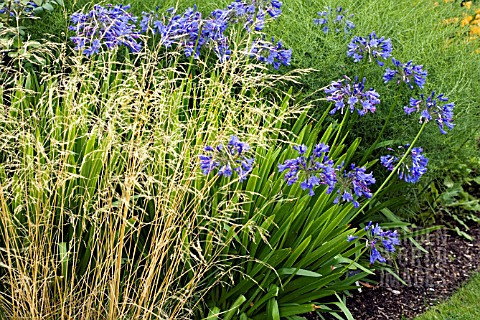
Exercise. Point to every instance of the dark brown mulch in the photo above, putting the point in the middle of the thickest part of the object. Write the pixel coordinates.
(430, 277)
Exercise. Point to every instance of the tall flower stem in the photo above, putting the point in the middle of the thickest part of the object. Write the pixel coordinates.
(379, 136)
(394, 170)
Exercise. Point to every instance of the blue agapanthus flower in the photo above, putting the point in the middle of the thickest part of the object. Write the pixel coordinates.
(312, 171)
(335, 20)
(112, 26)
(271, 53)
(227, 159)
(414, 166)
(373, 48)
(432, 108)
(192, 32)
(353, 184)
(352, 93)
(376, 236)
(406, 72)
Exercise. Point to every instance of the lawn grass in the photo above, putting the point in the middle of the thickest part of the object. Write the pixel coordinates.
(463, 305)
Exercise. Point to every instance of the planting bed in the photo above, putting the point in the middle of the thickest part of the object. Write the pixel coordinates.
(431, 277)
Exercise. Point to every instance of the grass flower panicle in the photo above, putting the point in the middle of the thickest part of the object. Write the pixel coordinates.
(336, 19)
(112, 26)
(410, 170)
(353, 183)
(353, 93)
(432, 108)
(405, 72)
(313, 171)
(227, 159)
(373, 47)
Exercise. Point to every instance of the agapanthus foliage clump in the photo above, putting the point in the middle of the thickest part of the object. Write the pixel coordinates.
(352, 93)
(226, 159)
(433, 107)
(371, 47)
(110, 26)
(353, 184)
(271, 53)
(414, 166)
(379, 242)
(406, 72)
(334, 19)
(311, 171)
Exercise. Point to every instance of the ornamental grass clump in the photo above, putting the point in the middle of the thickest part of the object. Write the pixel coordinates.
(104, 210)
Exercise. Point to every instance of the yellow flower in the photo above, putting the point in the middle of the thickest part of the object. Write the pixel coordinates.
(466, 21)
(477, 11)
(467, 4)
(475, 30)
(475, 22)
(477, 51)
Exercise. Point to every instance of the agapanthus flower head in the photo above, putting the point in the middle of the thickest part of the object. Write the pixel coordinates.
(227, 159)
(111, 26)
(376, 237)
(353, 184)
(373, 47)
(433, 107)
(312, 171)
(414, 166)
(352, 93)
(192, 32)
(271, 53)
(407, 73)
(335, 20)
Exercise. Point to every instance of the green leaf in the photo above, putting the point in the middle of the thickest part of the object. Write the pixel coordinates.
(298, 272)
(213, 314)
(344, 308)
(48, 6)
(234, 307)
(272, 310)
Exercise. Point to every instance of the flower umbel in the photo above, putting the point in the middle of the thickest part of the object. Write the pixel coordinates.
(112, 26)
(414, 166)
(388, 239)
(432, 108)
(353, 183)
(335, 19)
(227, 159)
(271, 52)
(314, 170)
(373, 47)
(406, 72)
(354, 94)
